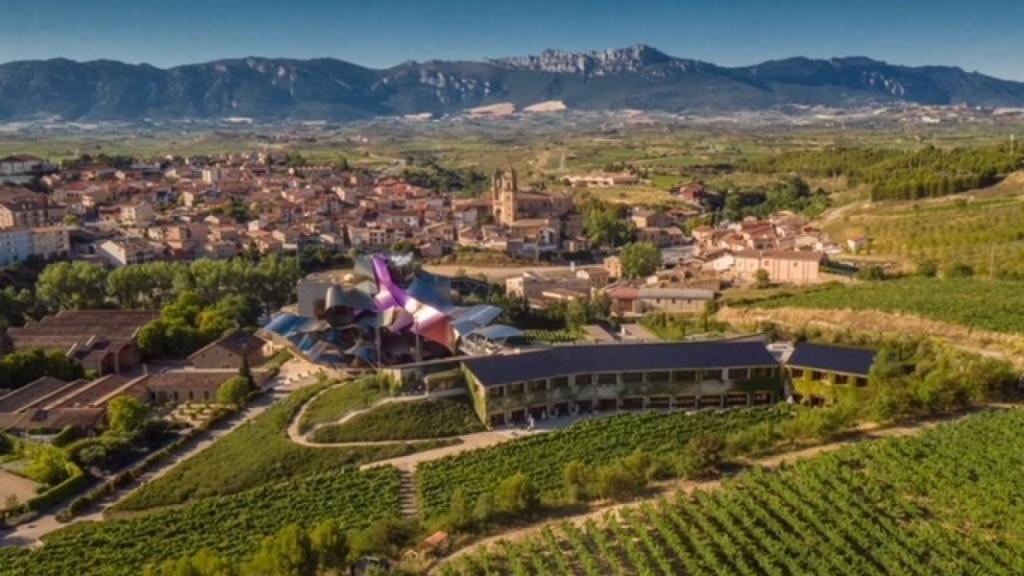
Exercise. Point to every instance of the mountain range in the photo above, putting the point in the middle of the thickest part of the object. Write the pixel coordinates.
(637, 77)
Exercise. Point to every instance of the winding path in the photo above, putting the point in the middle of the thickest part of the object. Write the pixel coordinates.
(406, 463)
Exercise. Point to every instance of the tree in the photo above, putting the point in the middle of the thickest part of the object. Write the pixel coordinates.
(574, 481)
(618, 482)
(702, 455)
(287, 553)
(386, 537)
(460, 514)
(517, 495)
(48, 464)
(20, 368)
(871, 273)
(127, 415)
(762, 279)
(234, 391)
(485, 508)
(927, 268)
(330, 544)
(606, 226)
(640, 259)
(72, 286)
(959, 270)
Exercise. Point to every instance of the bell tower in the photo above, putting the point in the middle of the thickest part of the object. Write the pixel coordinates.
(504, 189)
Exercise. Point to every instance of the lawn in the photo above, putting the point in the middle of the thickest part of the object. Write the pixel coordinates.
(406, 421)
(996, 305)
(337, 401)
(256, 454)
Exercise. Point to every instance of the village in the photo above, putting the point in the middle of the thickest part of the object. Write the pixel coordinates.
(182, 209)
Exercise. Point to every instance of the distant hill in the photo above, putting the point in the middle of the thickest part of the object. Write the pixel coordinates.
(638, 77)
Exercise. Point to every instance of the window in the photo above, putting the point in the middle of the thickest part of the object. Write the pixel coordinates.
(685, 375)
(560, 382)
(862, 381)
(842, 378)
(816, 375)
(517, 388)
(496, 392)
(584, 379)
(657, 376)
(606, 379)
(536, 385)
(736, 374)
(632, 377)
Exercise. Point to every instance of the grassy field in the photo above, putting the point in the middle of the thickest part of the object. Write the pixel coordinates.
(255, 454)
(337, 401)
(978, 303)
(984, 229)
(405, 421)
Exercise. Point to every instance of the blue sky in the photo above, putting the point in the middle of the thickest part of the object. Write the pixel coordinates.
(983, 35)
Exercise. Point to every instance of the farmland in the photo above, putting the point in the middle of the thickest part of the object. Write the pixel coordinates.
(231, 526)
(996, 305)
(983, 229)
(939, 503)
(590, 442)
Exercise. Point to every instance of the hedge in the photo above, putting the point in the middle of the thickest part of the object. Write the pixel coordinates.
(71, 485)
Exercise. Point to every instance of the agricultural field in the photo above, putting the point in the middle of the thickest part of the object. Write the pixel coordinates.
(231, 526)
(942, 502)
(590, 442)
(996, 305)
(984, 229)
(255, 454)
(410, 420)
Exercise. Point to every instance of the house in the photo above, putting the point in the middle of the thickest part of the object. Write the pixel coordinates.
(125, 251)
(822, 372)
(101, 340)
(613, 264)
(174, 386)
(635, 302)
(782, 266)
(603, 180)
(27, 209)
(21, 164)
(15, 245)
(137, 214)
(598, 378)
(228, 351)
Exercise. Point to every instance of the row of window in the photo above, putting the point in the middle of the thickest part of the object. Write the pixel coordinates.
(613, 378)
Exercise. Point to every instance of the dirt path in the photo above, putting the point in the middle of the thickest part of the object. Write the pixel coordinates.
(598, 510)
(17, 486)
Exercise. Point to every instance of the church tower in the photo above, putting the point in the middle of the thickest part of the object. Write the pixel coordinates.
(504, 204)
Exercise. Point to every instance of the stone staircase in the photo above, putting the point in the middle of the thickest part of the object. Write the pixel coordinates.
(408, 495)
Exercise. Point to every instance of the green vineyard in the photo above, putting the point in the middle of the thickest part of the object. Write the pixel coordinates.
(591, 442)
(231, 526)
(945, 502)
(996, 305)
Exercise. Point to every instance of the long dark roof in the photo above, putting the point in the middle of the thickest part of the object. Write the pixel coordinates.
(562, 360)
(832, 358)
